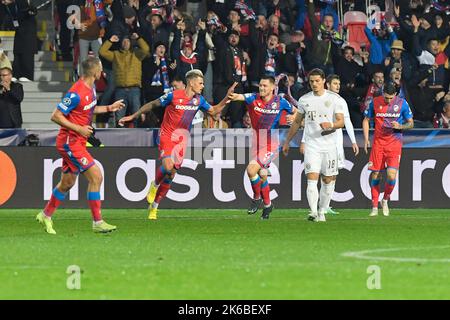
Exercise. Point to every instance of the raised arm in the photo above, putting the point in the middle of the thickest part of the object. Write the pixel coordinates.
(219, 107)
(146, 108)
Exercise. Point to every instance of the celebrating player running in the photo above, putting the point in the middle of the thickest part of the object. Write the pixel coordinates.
(74, 115)
(182, 105)
(265, 110)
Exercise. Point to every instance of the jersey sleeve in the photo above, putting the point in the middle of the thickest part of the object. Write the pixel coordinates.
(204, 105)
(301, 107)
(166, 99)
(406, 111)
(249, 97)
(69, 102)
(285, 105)
(368, 113)
(339, 107)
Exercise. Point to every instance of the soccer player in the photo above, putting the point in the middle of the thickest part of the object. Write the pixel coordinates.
(264, 110)
(391, 115)
(323, 112)
(334, 85)
(74, 115)
(181, 107)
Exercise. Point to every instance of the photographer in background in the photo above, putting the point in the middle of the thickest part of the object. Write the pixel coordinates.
(11, 95)
(23, 17)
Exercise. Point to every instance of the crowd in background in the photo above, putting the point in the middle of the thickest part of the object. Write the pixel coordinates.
(148, 46)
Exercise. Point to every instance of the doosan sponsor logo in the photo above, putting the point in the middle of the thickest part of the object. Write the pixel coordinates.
(187, 108)
(268, 111)
(388, 115)
(90, 105)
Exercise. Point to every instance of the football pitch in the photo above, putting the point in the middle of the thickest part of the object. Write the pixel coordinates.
(226, 254)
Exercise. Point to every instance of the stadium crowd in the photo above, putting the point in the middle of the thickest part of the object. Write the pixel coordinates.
(148, 46)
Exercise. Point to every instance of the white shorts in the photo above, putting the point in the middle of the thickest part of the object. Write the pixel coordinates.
(341, 158)
(323, 162)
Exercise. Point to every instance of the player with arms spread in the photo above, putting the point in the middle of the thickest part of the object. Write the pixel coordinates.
(392, 115)
(264, 110)
(181, 107)
(74, 115)
(323, 112)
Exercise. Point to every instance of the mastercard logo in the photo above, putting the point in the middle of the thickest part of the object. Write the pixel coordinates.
(8, 177)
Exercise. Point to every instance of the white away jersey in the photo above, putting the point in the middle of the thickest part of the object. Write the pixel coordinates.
(318, 109)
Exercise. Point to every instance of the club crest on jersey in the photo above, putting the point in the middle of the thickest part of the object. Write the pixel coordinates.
(327, 103)
(370, 164)
(274, 105)
(308, 166)
(396, 107)
(194, 101)
(84, 161)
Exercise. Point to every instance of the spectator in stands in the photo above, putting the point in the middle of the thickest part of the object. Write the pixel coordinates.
(127, 67)
(399, 57)
(395, 77)
(296, 53)
(23, 16)
(92, 28)
(187, 58)
(153, 27)
(325, 43)
(157, 73)
(282, 10)
(374, 90)
(4, 60)
(64, 32)
(381, 41)
(442, 119)
(348, 69)
(233, 61)
(11, 95)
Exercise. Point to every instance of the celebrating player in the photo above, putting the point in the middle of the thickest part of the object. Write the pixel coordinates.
(182, 105)
(392, 115)
(264, 110)
(74, 115)
(334, 85)
(323, 112)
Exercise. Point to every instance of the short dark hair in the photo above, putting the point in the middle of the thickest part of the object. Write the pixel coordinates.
(332, 77)
(88, 65)
(390, 88)
(268, 77)
(317, 72)
(349, 48)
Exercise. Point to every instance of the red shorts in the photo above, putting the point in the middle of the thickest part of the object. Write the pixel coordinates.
(264, 155)
(174, 149)
(76, 158)
(382, 157)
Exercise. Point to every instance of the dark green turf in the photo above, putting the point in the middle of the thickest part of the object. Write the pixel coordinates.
(224, 254)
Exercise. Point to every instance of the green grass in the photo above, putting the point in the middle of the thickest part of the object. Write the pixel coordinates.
(225, 254)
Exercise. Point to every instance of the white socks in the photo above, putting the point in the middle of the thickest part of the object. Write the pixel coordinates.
(313, 195)
(155, 205)
(326, 192)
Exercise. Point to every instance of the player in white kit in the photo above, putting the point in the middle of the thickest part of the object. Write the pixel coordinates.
(323, 112)
(334, 84)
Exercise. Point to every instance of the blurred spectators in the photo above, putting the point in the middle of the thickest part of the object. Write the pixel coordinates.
(11, 95)
(127, 68)
(23, 17)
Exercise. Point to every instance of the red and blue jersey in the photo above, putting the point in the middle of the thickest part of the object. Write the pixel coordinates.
(78, 106)
(180, 111)
(384, 114)
(266, 115)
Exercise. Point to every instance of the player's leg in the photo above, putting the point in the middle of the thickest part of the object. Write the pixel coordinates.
(59, 193)
(393, 163)
(255, 180)
(341, 165)
(322, 191)
(376, 165)
(170, 168)
(265, 194)
(162, 172)
(95, 179)
(326, 192)
(312, 170)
